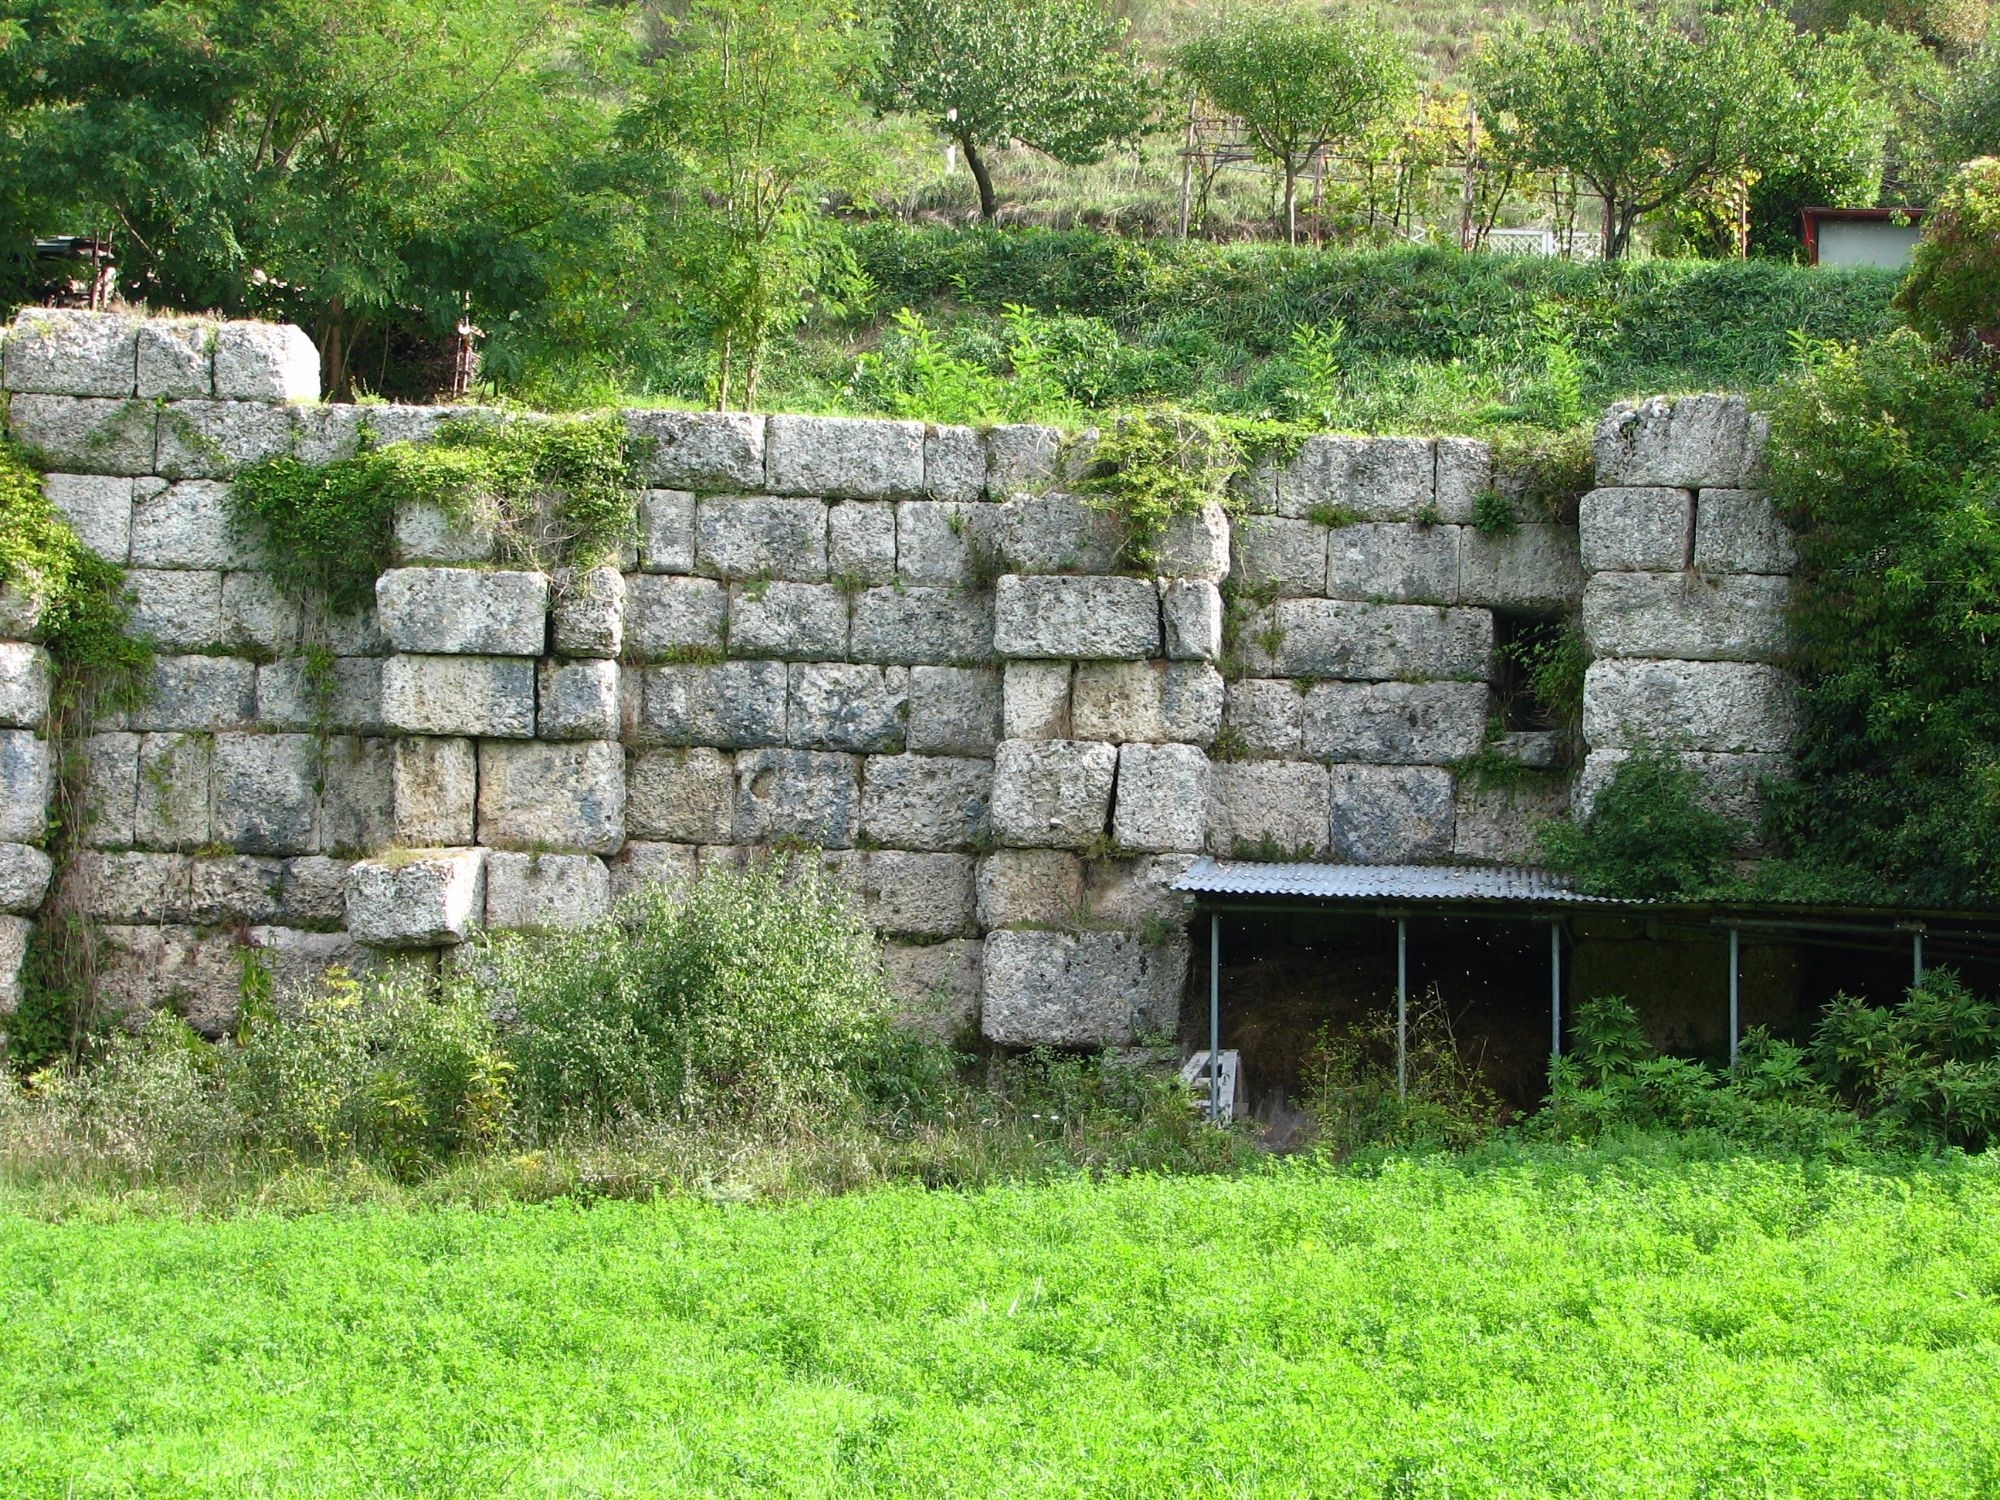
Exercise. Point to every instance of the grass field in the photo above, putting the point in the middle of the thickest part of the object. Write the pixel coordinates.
(1542, 1325)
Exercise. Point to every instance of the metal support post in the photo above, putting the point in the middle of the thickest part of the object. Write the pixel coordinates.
(1917, 955)
(1555, 987)
(1735, 993)
(1402, 1007)
(1214, 1017)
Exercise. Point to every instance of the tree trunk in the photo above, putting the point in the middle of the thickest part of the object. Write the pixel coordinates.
(333, 354)
(988, 204)
(1291, 203)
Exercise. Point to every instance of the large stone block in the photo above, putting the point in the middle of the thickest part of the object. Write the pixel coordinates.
(667, 616)
(1382, 642)
(796, 794)
(700, 450)
(1536, 567)
(641, 865)
(1688, 705)
(427, 533)
(110, 789)
(213, 439)
(1191, 616)
(327, 434)
(912, 895)
(1195, 546)
(908, 626)
(172, 810)
(314, 891)
(1137, 893)
(1151, 700)
(1364, 479)
(176, 358)
(1395, 723)
(861, 543)
(1022, 458)
(587, 614)
(1688, 442)
(292, 694)
(926, 802)
(22, 604)
(436, 784)
(464, 611)
(955, 710)
(935, 986)
(666, 531)
(427, 898)
(63, 351)
(1741, 531)
(759, 537)
(1497, 823)
(1687, 616)
(948, 543)
(1052, 794)
(840, 457)
(578, 700)
(1030, 888)
(1635, 530)
(544, 892)
(298, 961)
(540, 797)
(1288, 556)
(1396, 562)
(24, 877)
(1056, 989)
(187, 525)
(1267, 809)
(1733, 785)
(258, 617)
(24, 685)
(792, 621)
(840, 706)
(683, 796)
(954, 463)
(358, 794)
(1265, 716)
(1391, 814)
(1464, 473)
(195, 973)
(1035, 700)
(14, 935)
(25, 771)
(178, 611)
(491, 696)
(265, 362)
(734, 705)
(98, 508)
(1162, 798)
(1058, 533)
(85, 433)
(265, 793)
(1076, 617)
(211, 890)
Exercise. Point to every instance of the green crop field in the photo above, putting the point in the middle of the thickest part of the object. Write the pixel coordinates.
(1545, 1324)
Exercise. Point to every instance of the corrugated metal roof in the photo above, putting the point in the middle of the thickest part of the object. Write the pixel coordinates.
(1234, 877)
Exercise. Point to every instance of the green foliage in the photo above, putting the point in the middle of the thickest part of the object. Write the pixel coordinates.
(1953, 292)
(1888, 461)
(1350, 1088)
(1545, 473)
(1152, 467)
(1969, 120)
(914, 374)
(1648, 834)
(1926, 1071)
(1493, 513)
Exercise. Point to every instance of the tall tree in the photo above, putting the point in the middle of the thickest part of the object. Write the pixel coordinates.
(1299, 82)
(1969, 119)
(1050, 74)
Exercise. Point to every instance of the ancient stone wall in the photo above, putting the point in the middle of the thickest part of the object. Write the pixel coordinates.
(912, 646)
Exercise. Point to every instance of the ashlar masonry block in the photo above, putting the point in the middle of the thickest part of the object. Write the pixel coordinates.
(213, 439)
(1395, 723)
(587, 615)
(935, 986)
(1030, 888)
(87, 433)
(667, 615)
(666, 531)
(700, 450)
(1741, 531)
(14, 935)
(435, 788)
(562, 797)
(796, 794)
(1534, 567)
(180, 611)
(1265, 716)
(954, 463)
(1146, 700)
(177, 358)
(63, 351)
(1282, 554)
(861, 543)
(733, 705)
(1057, 533)
(265, 793)
(273, 362)
(1687, 616)
(1691, 705)
(24, 685)
(98, 508)
(25, 771)
(172, 811)
(1162, 798)
(1275, 809)
(1052, 794)
(847, 706)
(1382, 642)
(357, 794)
(417, 899)
(682, 795)
(1035, 699)
(1191, 617)
(757, 536)
(427, 533)
(928, 626)
(844, 458)
(464, 611)
(1079, 990)
(955, 710)
(578, 700)
(926, 802)
(1391, 814)
(1396, 562)
(1464, 473)
(1076, 617)
(544, 892)
(24, 878)
(487, 696)
(945, 543)
(1687, 442)
(791, 621)
(908, 894)
(1645, 530)
(187, 525)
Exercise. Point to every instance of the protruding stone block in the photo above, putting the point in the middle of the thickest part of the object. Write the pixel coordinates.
(1052, 794)
(1688, 705)
(954, 463)
(1687, 616)
(24, 685)
(935, 986)
(735, 705)
(842, 706)
(63, 351)
(844, 458)
(796, 794)
(427, 898)
(178, 611)
(187, 525)
(1267, 809)
(1030, 888)
(1688, 442)
(1278, 553)
(464, 611)
(85, 433)
(540, 796)
(213, 439)
(436, 782)
(1464, 473)
(665, 616)
(1396, 562)
(700, 450)
(1635, 530)
(1035, 698)
(544, 892)
(427, 533)
(98, 508)
(1058, 533)
(1076, 617)
(946, 543)
(911, 626)
(911, 895)
(578, 700)
(1088, 989)
(264, 791)
(1741, 531)
(791, 621)
(265, 362)
(927, 802)
(759, 537)
(1536, 567)
(24, 877)
(1395, 723)
(489, 696)
(1391, 814)
(1382, 642)
(588, 612)
(1191, 614)
(1162, 798)
(666, 531)
(172, 811)
(685, 796)
(176, 358)
(955, 710)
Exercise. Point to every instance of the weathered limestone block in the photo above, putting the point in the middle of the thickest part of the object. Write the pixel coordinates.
(1022, 458)
(1196, 546)
(24, 877)
(700, 450)
(172, 810)
(926, 802)
(86, 432)
(1162, 798)
(62, 351)
(539, 796)
(1395, 562)
(1537, 749)
(1254, 638)
(1688, 705)
(313, 892)
(1191, 614)
(436, 783)
(1136, 893)
(1147, 700)
(213, 439)
(946, 543)
(666, 531)
(756, 536)
(1288, 555)
(1688, 442)
(1732, 785)
(211, 891)
(355, 632)
(735, 705)
(492, 696)
(176, 358)
(1265, 716)
(1496, 824)
(24, 685)
(298, 960)
(1076, 617)
(1368, 479)
(358, 794)
(955, 710)
(1464, 473)
(1391, 814)
(427, 533)
(425, 898)
(265, 362)
(935, 985)
(578, 700)
(842, 706)
(464, 611)
(640, 865)
(1383, 642)
(911, 626)
(326, 434)
(194, 692)
(21, 609)
(1741, 531)
(792, 621)
(911, 895)
(1267, 809)
(179, 611)
(110, 789)
(1686, 616)
(1635, 530)
(1035, 699)
(861, 543)
(665, 616)
(1535, 567)
(544, 892)
(1030, 888)
(954, 463)
(191, 971)
(796, 794)
(257, 616)
(1057, 533)
(1052, 794)
(14, 935)
(587, 612)
(1395, 723)
(186, 525)
(264, 789)
(98, 508)
(683, 796)
(1088, 989)
(844, 458)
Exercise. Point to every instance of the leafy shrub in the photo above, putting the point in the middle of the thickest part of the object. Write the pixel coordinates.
(1648, 835)
(1350, 1084)
(1953, 292)
(1926, 1070)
